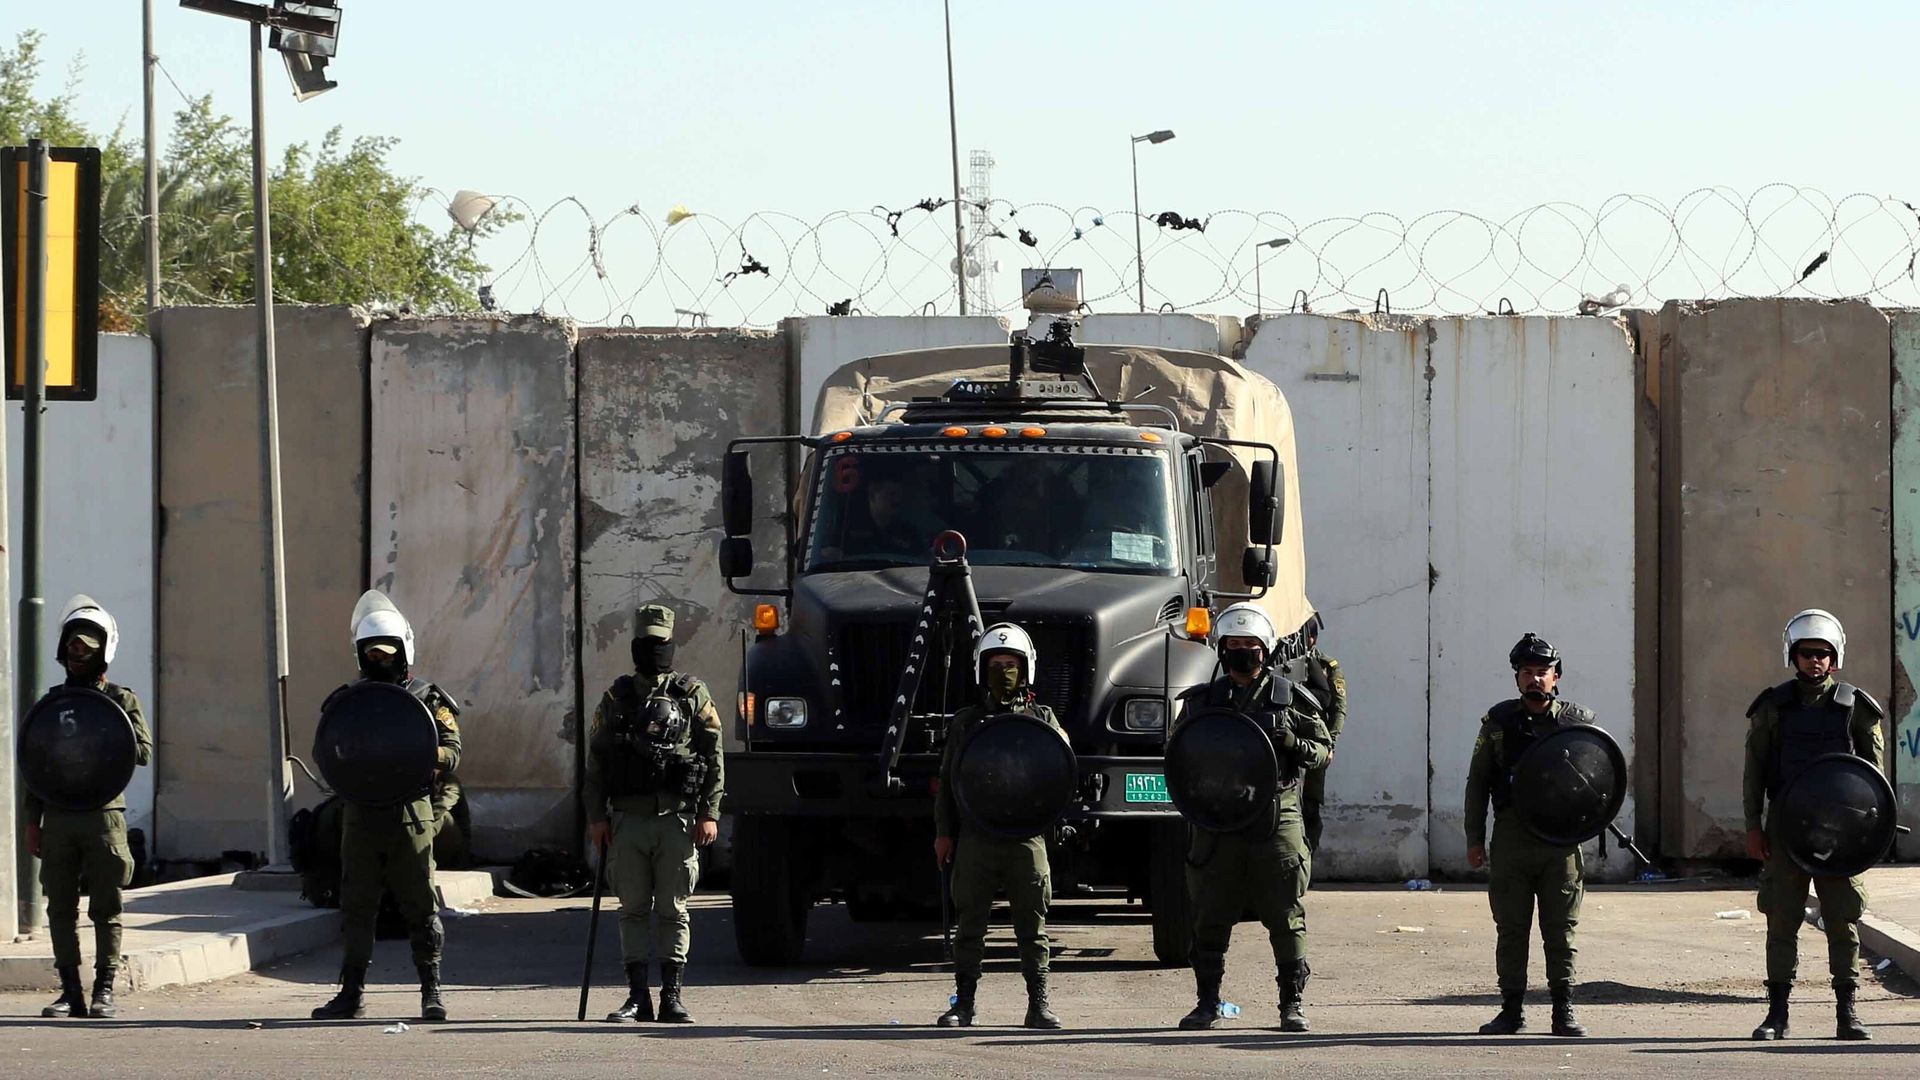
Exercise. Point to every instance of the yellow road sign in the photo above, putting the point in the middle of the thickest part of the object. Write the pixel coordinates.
(72, 298)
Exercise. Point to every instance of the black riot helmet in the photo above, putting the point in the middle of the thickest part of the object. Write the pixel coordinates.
(1534, 649)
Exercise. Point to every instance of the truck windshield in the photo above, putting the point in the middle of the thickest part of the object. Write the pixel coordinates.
(1086, 507)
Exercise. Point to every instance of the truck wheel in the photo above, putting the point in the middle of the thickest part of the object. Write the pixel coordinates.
(1167, 893)
(770, 901)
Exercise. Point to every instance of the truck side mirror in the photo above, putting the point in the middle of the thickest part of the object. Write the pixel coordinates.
(1258, 571)
(736, 557)
(736, 498)
(1265, 498)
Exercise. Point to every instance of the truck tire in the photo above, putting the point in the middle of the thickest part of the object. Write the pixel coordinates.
(1167, 894)
(770, 901)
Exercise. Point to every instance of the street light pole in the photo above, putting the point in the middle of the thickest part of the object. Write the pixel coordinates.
(148, 60)
(953, 133)
(1278, 242)
(1139, 257)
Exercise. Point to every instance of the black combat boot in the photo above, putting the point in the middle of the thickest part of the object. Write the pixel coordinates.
(350, 1003)
(432, 1009)
(102, 1004)
(671, 1011)
(1564, 1022)
(1775, 1025)
(1512, 1018)
(639, 1004)
(960, 1013)
(1206, 1006)
(1039, 1009)
(1849, 1027)
(73, 995)
(1293, 987)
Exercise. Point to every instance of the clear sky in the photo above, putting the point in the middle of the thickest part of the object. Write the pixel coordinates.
(1315, 110)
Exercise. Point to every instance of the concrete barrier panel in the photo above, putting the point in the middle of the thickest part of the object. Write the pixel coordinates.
(1533, 530)
(1358, 391)
(1153, 330)
(820, 344)
(656, 412)
(1904, 747)
(472, 534)
(212, 773)
(98, 525)
(1776, 458)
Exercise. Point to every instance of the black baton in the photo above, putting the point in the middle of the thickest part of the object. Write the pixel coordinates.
(593, 929)
(946, 908)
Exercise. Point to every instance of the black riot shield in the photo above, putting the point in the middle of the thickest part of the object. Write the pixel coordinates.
(77, 749)
(376, 744)
(1570, 783)
(1015, 775)
(1221, 771)
(1836, 816)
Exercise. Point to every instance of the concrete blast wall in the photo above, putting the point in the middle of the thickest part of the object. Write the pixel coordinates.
(212, 773)
(472, 523)
(1358, 391)
(1903, 749)
(820, 344)
(656, 412)
(97, 526)
(1775, 458)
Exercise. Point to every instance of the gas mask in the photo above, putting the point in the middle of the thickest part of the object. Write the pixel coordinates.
(652, 656)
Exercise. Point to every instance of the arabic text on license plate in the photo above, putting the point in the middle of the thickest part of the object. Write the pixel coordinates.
(1146, 787)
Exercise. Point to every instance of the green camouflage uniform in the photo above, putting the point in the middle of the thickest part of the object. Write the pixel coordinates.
(984, 863)
(391, 848)
(655, 864)
(1267, 865)
(1322, 675)
(1523, 870)
(1783, 885)
(89, 846)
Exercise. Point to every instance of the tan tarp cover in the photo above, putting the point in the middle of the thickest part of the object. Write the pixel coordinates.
(1211, 395)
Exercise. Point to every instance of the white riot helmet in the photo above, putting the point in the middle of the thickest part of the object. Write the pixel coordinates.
(1004, 637)
(376, 617)
(1814, 624)
(1246, 619)
(83, 609)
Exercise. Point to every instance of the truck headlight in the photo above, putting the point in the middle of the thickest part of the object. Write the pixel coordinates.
(786, 712)
(1144, 714)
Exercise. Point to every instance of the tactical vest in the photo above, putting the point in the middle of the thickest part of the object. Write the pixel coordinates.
(645, 746)
(1806, 732)
(1516, 735)
(1269, 710)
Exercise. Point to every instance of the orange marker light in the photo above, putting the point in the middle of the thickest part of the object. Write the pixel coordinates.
(842, 436)
(752, 702)
(1199, 623)
(1149, 436)
(1032, 432)
(766, 618)
(953, 432)
(994, 432)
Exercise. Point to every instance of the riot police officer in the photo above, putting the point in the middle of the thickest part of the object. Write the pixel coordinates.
(1322, 676)
(1004, 661)
(1525, 871)
(391, 847)
(1789, 725)
(1267, 865)
(86, 846)
(652, 789)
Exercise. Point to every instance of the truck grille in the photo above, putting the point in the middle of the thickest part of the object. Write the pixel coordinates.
(872, 655)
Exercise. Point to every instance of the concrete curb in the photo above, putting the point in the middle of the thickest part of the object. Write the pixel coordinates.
(205, 957)
(1893, 941)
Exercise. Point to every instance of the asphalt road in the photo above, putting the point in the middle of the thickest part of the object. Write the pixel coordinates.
(1401, 981)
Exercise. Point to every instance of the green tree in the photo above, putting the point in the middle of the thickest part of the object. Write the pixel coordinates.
(344, 228)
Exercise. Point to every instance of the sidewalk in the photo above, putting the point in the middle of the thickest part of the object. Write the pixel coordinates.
(203, 929)
(1891, 927)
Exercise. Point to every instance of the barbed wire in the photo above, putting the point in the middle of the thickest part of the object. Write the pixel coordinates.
(678, 267)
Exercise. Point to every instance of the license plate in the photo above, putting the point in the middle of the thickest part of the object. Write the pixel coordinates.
(1146, 787)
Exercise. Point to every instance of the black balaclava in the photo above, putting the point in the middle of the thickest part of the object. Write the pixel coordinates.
(1241, 661)
(96, 668)
(652, 656)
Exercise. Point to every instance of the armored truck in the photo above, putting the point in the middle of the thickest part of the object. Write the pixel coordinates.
(1107, 500)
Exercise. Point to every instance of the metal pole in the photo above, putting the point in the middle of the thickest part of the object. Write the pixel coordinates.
(1139, 259)
(270, 470)
(953, 133)
(148, 61)
(32, 488)
(1256, 278)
